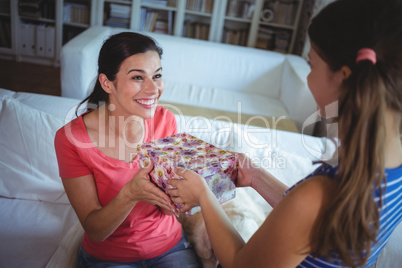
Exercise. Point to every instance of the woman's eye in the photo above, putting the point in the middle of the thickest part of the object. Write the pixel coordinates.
(137, 77)
(158, 76)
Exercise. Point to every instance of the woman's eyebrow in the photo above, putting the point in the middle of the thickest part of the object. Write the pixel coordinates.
(142, 71)
(136, 70)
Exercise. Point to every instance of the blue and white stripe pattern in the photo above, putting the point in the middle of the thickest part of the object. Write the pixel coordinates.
(390, 215)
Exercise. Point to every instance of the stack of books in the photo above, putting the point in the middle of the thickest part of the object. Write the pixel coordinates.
(240, 9)
(284, 11)
(119, 16)
(76, 13)
(156, 21)
(44, 9)
(282, 41)
(200, 5)
(30, 8)
(265, 38)
(155, 2)
(235, 37)
(273, 39)
(196, 30)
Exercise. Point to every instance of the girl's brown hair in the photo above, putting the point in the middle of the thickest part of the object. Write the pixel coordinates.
(351, 222)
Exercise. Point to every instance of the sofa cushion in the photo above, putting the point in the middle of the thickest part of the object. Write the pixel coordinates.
(28, 162)
(60, 107)
(4, 92)
(31, 231)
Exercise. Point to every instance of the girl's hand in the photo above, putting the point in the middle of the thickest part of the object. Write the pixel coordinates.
(245, 171)
(140, 188)
(189, 190)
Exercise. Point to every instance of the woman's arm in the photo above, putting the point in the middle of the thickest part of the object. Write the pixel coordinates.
(282, 241)
(100, 222)
(249, 174)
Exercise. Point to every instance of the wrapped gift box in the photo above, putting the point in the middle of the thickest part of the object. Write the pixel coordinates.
(218, 167)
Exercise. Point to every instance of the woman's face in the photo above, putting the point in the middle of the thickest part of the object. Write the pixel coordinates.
(323, 83)
(138, 86)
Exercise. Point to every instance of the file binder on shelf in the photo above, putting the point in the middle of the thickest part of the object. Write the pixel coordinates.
(28, 39)
(41, 40)
(50, 42)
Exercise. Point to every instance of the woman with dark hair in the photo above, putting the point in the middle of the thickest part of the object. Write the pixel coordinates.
(341, 215)
(128, 221)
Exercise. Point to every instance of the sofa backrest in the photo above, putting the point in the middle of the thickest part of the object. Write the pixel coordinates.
(185, 61)
(220, 66)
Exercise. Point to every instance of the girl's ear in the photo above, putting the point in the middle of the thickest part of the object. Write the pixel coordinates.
(105, 83)
(345, 72)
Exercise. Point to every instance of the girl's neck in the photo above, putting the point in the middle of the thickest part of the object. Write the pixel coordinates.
(393, 143)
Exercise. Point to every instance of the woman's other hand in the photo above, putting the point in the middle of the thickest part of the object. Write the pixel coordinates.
(140, 188)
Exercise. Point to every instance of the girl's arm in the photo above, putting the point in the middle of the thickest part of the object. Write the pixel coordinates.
(249, 174)
(283, 240)
(100, 222)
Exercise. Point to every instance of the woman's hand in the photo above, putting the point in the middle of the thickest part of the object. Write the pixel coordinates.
(140, 188)
(168, 212)
(188, 191)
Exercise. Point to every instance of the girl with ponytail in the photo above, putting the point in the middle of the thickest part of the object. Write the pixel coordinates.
(341, 215)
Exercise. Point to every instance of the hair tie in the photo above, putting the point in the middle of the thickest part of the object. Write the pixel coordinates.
(366, 54)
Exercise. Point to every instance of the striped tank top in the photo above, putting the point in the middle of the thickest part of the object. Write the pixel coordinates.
(390, 215)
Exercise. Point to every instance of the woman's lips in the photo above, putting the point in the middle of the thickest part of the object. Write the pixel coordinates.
(147, 103)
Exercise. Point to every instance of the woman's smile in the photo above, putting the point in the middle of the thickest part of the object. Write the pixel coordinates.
(147, 103)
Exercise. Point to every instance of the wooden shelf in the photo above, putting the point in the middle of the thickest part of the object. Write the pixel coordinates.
(219, 25)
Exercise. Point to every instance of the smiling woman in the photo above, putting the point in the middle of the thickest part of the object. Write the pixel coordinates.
(137, 87)
(126, 218)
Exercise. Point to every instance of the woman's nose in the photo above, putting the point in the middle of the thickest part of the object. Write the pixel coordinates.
(151, 86)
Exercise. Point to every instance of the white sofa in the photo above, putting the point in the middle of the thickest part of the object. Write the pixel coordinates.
(206, 74)
(38, 227)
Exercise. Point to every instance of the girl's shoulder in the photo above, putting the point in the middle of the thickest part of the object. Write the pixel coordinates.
(324, 173)
(317, 187)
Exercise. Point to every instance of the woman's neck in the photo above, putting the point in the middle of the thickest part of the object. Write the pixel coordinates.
(129, 129)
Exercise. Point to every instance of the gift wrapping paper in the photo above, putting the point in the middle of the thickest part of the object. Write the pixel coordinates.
(218, 167)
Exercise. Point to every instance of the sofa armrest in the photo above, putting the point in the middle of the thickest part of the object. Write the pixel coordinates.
(295, 93)
(79, 60)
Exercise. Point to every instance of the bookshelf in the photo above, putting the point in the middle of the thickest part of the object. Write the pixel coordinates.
(200, 18)
(139, 15)
(277, 26)
(264, 24)
(36, 22)
(77, 17)
(238, 18)
(35, 30)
